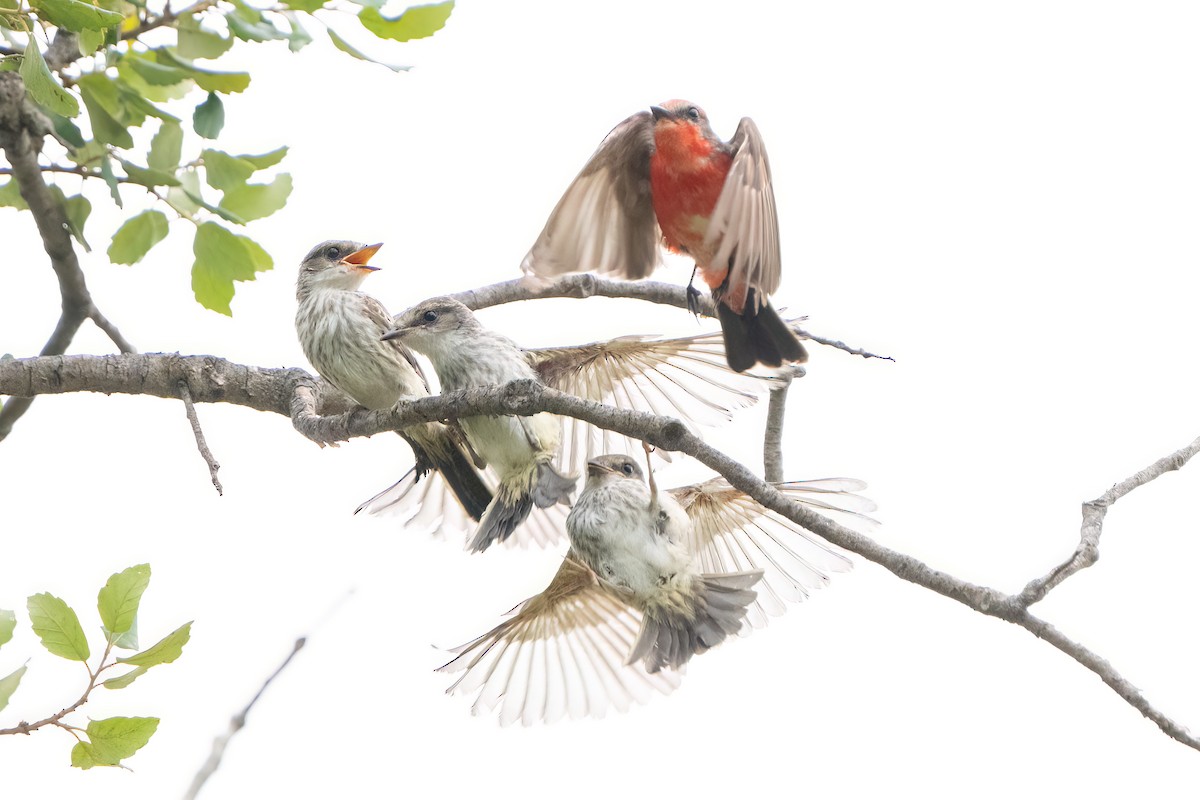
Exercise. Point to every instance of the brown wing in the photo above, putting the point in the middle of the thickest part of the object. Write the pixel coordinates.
(383, 321)
(562, 653)
(744, 221)
(687, 378)
(732, 533)
(605, 221)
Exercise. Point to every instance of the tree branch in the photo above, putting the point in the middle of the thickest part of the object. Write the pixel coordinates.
(297, 394)
(22, 128)
(201, 444)
(587, 285)
(773, 437)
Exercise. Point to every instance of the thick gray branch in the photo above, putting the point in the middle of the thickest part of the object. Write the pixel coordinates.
(297, 394)
(22, 128)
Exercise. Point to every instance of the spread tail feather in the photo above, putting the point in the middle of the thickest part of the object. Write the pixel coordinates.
(502, 517)
(669, 639)
(757, 335)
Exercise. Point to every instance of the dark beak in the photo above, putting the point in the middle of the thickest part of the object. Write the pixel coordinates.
(596, 468)
(395, 333)
(360, 257)
(660, 113)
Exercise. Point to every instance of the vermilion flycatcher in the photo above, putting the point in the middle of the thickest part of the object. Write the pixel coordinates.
(663, 173)
(640, 592)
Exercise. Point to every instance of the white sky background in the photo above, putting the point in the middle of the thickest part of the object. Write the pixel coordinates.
(1004, 199)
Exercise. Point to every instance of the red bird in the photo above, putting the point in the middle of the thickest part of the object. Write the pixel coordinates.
(663, 174)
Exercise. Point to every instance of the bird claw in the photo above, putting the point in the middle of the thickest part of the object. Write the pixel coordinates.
(693, 300)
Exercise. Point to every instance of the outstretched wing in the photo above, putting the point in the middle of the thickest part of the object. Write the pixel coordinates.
(562, 652)
(687, 378)
(733, 533)
(744, 221)
(605, 221)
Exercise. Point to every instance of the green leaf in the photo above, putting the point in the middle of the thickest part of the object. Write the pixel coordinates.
(415, 23)
(209, 117)
(298, 37)
(207, 79)
(119, 598)
(255, 200)
(137, 107)
(166, 148)
(9, 684)
(183, 198)
(223, 171)
(42, 86)
(90, 41)
(121, 681)
(10, 196)
(77, 208)
(8, 623)
(138, 85)
(134, 239)
(346, 47)
(222, 258)
(248, 25)
(156, 74)
(195, 42)
(266, 159)
(170, 647)
(304, 5)
(74, 15)
(111, 740)
(68, 130)
(147, 177)
(58, 627)
(106, 172)
(104, 106)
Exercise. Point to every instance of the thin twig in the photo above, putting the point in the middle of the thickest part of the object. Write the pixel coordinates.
(235, 724)
(201, 444)
(1088, 550)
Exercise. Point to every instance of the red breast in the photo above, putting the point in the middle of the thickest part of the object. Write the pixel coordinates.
(687, 173)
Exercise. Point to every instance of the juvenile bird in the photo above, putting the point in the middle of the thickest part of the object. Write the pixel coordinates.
(640, 591)
(685, 377)
(520, 449)
(663, 174)
(340, 330)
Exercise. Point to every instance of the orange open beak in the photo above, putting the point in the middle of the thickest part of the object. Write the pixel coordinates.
(360, 257)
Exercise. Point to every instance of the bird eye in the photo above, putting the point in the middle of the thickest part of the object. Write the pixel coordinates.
(693, 113)
(332, 252)
(627, 468)
(429, 316)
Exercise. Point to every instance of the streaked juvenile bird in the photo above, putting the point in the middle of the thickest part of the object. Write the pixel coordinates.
(521, 450)
(640, 591)
(684, 377)
(663, 174)
(340, 330)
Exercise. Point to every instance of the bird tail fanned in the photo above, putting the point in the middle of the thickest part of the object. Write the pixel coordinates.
(758, 335)
(670, 636)
(502, 517)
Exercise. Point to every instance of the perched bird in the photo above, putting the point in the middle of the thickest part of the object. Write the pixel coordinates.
(641, 590)
(663, 174)
(520, 449)
(340, 330)
(685, 377)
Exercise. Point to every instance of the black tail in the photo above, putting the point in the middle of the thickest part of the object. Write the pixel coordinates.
(757, 336)
(458, 472)
(502, 518)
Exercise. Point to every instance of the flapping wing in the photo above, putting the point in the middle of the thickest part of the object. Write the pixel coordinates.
(605, 221)
(428, 505)
(562, 653)
(687, 378)
(733, 533)
(744, 221)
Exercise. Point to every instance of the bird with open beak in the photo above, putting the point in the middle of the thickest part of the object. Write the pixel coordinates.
(652, 578)
(664, 175)
(340, 329)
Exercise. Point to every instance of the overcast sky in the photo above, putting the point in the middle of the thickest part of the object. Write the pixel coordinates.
(1002, 198)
